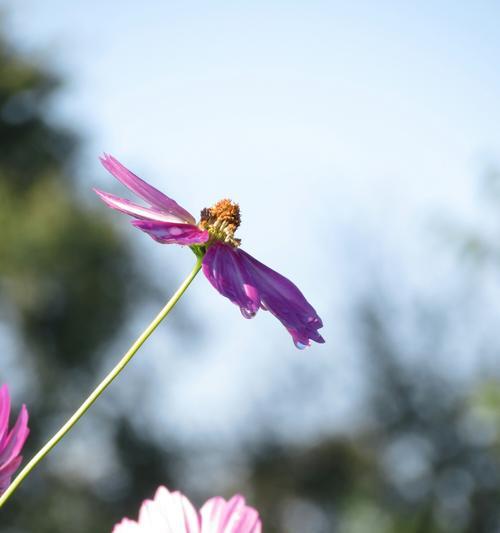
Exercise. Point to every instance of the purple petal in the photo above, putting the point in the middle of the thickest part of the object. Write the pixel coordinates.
(172, 233)
(250, 285)
(144, 190)
(233, 516)
(285, 301)
(135, 210)
(223, 268)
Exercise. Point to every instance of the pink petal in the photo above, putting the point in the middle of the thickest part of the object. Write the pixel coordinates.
(4, 413)
(168, 512)
(172, 233)
(144, 190)
(233, 516)
(11, 442)
(16, 438)
(6, 471)
(135, 210)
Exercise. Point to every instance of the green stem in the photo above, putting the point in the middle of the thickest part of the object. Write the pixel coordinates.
(101, 387)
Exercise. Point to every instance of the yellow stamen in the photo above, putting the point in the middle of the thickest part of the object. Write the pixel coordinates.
(221, 221)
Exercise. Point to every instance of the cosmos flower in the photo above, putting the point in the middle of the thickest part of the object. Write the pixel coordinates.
(239, 277)
(172, 512)
(11, 442)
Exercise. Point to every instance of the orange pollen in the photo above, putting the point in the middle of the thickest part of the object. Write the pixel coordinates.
(221, 221)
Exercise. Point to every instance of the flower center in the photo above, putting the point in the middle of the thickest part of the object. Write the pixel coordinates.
(221, 221)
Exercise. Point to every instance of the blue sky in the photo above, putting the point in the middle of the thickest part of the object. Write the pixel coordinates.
(340, 127)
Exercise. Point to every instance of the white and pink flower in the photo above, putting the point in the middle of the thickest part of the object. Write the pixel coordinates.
(172, 512)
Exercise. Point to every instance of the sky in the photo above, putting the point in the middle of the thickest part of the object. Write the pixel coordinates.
(341, 128)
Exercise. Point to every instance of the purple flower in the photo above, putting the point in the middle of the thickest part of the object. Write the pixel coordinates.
(172, 512)
(235, 274)
(11, 442)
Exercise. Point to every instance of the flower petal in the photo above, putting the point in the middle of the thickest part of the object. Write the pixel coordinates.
(4, 413)
(7, 470)
(167, 512)
(172, 233)
(135, 210)
(224, 270)
(127, 526)
(178, 511)
(171, 512)
(144, 190)
(16, 438)
(233, 516)
(285, 301)
(11, 442)
(250, 285)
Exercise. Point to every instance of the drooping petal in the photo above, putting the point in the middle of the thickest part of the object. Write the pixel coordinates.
(223, 268)
(135, 210)
(144, 190)
(285, 301)
(172, 233)
(233, 516)
(250, 285)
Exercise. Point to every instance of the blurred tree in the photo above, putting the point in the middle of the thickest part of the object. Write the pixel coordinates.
(67, 282)
(427, 462)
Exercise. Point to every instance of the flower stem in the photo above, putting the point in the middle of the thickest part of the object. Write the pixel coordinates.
(101, 387)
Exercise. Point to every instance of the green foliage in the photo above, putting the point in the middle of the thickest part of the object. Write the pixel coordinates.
(67, 284)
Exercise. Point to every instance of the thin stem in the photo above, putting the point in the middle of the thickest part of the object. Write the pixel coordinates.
(101, 387)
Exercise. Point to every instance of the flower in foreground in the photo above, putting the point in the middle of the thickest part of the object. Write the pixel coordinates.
(172, 512)
(239, 277)
(11, 442)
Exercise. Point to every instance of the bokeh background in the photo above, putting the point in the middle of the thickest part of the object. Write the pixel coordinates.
(362, 141)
